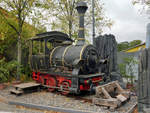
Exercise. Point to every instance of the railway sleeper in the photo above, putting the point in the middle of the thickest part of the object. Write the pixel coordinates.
(111, 95)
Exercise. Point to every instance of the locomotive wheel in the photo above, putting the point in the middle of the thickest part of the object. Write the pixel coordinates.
(65, 88)
(41, 80)
(51, 81)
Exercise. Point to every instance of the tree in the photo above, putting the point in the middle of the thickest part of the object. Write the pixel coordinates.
(123, 46)
(8, 47)
(126, 45)
(66, 17)
(144, 3)
(127, 68)
(134, 43)
(18, 10)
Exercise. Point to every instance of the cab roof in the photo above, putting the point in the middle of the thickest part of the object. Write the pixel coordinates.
(53, 35)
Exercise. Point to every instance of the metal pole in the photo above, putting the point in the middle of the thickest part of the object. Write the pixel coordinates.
(93, 17)
(148, 36)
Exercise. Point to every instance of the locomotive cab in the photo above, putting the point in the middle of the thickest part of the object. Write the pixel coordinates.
(42, 45)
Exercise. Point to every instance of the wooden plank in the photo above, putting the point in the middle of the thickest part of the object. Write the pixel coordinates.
(119, 87)
(26, 85)
(126, 94)
(144, 80)
(16, 91)
(104, 98)
(107, 102)
(148, 78)
(121, 98)
(132, 109)
(106, 93)
(109, 87)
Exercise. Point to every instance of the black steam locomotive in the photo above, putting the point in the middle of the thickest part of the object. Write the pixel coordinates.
(59, 64)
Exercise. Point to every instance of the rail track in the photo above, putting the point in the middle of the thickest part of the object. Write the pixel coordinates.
(46, 108)
(52, 109)
(84, 98)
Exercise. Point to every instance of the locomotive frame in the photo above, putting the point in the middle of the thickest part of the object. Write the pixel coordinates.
(52, 79)
(59, 64)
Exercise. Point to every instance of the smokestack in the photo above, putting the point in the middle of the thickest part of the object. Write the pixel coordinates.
(81, 8)
(148, 36)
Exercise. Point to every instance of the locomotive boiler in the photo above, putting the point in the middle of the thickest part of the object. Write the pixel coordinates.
(59, 64)
(81, 57)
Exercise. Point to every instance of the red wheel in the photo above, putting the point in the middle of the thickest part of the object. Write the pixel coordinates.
(51, 81)
(41, 80)
(65, 88)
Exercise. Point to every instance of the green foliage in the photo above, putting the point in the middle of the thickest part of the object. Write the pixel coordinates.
(134, 43)
(122, 68)
(123, 46)
(25, 78)
(127, 68)
(14, 13)
(126, 45)
(142, 2)
(8, 47)
(7, 70)
(65, 17)
(144, 6)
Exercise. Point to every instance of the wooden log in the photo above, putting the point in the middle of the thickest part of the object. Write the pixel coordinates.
(144, 80)
(112, 87)
(107, 48)
(106, 94)
(107, 102)
(148, 77)
(121, 98)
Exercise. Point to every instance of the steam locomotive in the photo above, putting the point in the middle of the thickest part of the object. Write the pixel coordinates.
(58, 64)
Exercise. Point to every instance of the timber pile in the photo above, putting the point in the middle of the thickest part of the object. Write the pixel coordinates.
(144, 80)
(111, 95)
(107, 49)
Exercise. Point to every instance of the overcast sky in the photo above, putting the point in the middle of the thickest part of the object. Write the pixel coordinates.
(129, 24)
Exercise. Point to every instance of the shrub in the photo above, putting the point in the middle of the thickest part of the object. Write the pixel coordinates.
(7, 70)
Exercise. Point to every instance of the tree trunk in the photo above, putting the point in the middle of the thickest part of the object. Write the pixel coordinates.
(19, 57)
(70, 28)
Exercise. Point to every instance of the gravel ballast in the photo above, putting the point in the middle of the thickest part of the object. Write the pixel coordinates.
(57, 100)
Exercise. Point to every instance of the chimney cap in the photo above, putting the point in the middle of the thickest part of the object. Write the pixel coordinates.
(81, 6)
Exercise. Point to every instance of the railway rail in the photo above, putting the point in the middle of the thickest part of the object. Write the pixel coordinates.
(46, 108)
(85, 99)
(43, 107)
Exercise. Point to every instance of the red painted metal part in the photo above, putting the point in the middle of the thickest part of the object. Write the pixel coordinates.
(59, 81)
(51, 81)
(65, 86)
(35, 76)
